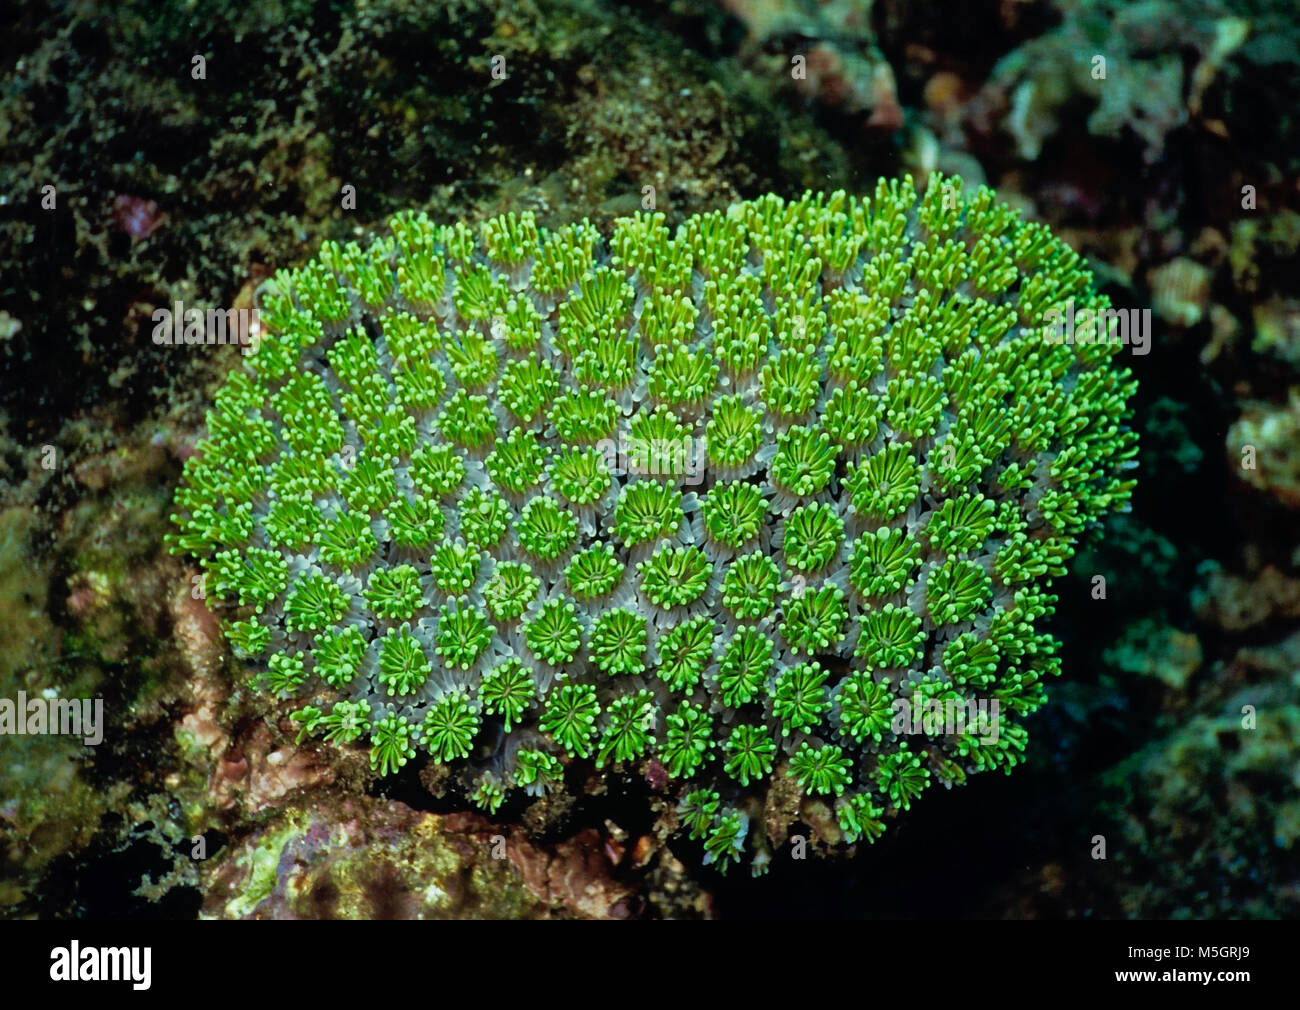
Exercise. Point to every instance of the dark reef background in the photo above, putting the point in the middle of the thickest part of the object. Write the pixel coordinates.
(170, 188)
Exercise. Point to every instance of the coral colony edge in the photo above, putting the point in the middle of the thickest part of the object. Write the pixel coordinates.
(753, 509)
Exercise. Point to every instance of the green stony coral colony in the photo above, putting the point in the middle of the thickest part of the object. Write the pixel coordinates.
(713, 499)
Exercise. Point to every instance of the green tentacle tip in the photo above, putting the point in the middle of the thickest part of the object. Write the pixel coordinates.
(866, 708)
(883, 562)
(804, 462)
(750, 752)
(675, 576)
(545, 530)
(800, 699)
(484, 519)
(823, 771)
(685, 651)
(449, 727)
(394, 593)
(570, 718)
(957, 591)
(618, 642)
(686, 743)
(315, 602)
(814, 620)
(595, 572)
(859, 818)
(489, 793)
(553, 633)
(733, 513)
(339, 656)
(630, 730)
(724, 844)
(511, 589)
(391, 744)
(647, 511)
(536, 771)
(403, 666)
(750, 586)
(463, 635)
(508, 690)
(697, 811)
(454, 567)
(812, 536)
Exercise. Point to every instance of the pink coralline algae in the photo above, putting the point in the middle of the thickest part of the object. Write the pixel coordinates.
(137, 217)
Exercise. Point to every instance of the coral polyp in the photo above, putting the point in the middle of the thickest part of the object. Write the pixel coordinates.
(731, 498)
